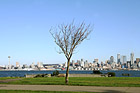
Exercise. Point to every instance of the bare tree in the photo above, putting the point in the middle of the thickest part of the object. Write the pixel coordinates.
(68, 37)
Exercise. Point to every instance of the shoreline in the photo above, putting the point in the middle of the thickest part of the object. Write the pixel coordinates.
(78, 70)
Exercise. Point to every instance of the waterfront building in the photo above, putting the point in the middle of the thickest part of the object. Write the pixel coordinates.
(124, 60)
(139, 64)
(137, 60)
(32, 65)
(132, 59)
(82, 63)
(107, 61)
(135, 66)
(65, 64)
(113, 65)
(118, 59)
(128, 64)
(25, 66)
(95, 61)
(79, 68)
(102, 64)
(125, 65)
(90, 64)
(40, 64)
(1, 68)
(86, 63)
(111, 59)
(17, 64)
(73, 63)
(78, 63)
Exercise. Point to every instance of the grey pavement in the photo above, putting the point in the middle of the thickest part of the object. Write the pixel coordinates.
(71, 88)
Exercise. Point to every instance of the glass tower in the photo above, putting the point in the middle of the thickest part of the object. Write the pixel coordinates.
(132, 59)
(118, 58)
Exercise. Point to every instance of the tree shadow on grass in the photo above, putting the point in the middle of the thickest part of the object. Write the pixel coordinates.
(113, 91)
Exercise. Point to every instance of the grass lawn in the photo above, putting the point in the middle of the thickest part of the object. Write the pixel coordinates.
(29, 91)
(5, 78)
(82, 81)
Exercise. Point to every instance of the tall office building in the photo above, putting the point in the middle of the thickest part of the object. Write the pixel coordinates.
(132, 59)
(111, 59)
(118, 59)
(86, 63)
(124, 60)
(82, 63)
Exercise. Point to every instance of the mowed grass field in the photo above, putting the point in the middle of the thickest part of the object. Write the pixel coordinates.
(80, 81)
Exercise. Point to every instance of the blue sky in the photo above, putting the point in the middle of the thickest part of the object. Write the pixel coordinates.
(25, 24)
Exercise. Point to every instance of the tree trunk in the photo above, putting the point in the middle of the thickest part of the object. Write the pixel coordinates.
(67, 72)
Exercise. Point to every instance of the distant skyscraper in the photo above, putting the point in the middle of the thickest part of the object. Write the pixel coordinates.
(132, 59)
(124, 60)
(118, 58)
(86, 63)
(82, 62)
(111, 59)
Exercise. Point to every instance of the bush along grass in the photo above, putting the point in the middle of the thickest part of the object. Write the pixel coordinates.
(55, 73)
(111, 74)
(97, 72)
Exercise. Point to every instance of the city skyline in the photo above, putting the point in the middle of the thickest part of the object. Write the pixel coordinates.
(25, 25)
(121, 64)
(118, 59)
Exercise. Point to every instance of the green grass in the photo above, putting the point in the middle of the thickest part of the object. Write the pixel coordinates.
(4, 78)
(109, 82)
(29, 91)
(82, 81)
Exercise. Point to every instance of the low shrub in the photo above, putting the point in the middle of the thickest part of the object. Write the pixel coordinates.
(125, 74)
(41, 75)
(55, 73)
(97, 72)
(111, 74)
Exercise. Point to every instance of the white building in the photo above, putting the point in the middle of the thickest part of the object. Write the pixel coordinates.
(82, 63)
(124, 60)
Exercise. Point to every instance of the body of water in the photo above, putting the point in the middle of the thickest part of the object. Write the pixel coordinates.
(23, 73)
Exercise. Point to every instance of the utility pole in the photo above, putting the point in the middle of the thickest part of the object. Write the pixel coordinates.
(9, 62)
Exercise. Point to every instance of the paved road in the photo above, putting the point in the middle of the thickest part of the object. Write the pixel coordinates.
(72, 88)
